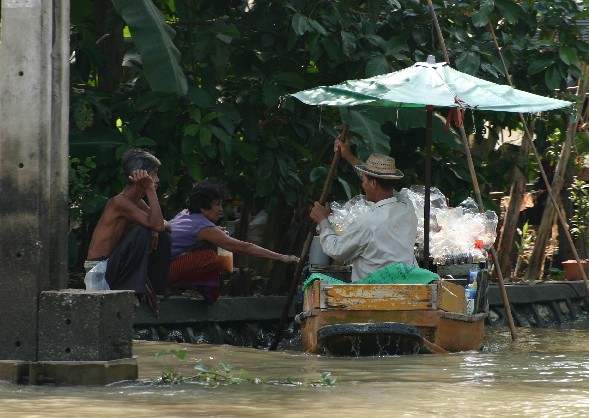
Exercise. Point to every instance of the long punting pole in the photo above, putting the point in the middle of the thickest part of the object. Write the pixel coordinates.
(306, 246)
(475, 183)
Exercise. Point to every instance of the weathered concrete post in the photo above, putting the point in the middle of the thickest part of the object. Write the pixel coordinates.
(47, 333)
(34, 74)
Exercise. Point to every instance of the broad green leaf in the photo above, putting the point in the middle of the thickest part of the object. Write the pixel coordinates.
(487, 5)
(282, 165)
(540, 65)
(376, 66)
(371, 133)
(348, 43)
(204, 135)
(318, 27)
(193, 166)
(191, 129)
(374, 7)
(221, 135)
(195, 114)
(199, 97)
(346, 187)
(300, 24)
(291, 80)
(568, 55)
(552, 77)
(333, 49)
(468, 62)
(509, 10)
(318, 174)
(210, 116)
(147, 100)
(180, 354)
(224, 366)
(480, 18)
(266, 164)
(154, 39)
(188, 144)
(271, 93)
(143, 141)
(247, 152)
(375, 40)
(396, 47)
(490, 68)
(221, 56)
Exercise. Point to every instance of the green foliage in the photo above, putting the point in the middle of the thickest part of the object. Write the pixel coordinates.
(81, 195)
(233, 120)
(223, 374)
(579, 196)
(154, 40)
(556, 274)
(525, 241)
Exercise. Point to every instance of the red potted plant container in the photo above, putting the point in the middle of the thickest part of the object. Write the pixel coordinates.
(572, 271)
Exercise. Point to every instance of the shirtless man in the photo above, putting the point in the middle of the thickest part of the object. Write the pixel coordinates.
(132, 234)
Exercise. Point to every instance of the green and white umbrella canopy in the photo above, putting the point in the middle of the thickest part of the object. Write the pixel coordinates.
(429, 83)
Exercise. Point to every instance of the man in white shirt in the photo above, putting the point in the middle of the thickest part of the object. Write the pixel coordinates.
(377, 238)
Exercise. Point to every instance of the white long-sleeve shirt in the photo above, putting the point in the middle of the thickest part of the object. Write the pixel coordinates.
(377, 238)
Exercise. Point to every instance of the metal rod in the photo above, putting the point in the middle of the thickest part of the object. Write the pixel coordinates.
(428, 184)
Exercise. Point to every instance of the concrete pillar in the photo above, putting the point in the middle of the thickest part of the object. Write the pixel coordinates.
(34, 86)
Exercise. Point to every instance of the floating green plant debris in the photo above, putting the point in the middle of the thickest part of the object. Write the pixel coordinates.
(223, 374)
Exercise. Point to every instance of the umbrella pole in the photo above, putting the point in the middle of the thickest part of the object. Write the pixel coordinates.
(475, 183)
(306, 246)
(428, 184)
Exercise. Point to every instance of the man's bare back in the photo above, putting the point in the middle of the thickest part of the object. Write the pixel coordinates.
(109, 231)
(125, 209)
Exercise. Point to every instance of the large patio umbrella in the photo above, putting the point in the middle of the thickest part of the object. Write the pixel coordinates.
(428, 85)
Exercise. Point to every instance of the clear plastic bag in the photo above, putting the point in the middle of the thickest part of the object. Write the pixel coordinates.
(342, 215)
(95, 277)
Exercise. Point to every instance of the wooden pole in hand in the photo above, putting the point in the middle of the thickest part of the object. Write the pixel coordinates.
(306, 246)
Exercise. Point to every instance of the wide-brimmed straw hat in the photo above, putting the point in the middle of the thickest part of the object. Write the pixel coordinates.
(381, 166)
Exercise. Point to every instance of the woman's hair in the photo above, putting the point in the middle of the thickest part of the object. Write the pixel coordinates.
(204, 193)
(138, 159)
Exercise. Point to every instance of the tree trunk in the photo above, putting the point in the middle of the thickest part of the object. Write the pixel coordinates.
(111, 43)
(545, 229)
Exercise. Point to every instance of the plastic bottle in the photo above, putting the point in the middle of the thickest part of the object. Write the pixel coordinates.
(470, 292)
(472, 276)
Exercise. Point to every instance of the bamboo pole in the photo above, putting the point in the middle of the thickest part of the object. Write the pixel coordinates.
(475, 183)
(509, 228)
(570, 131)
(306, 246)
